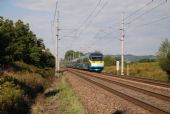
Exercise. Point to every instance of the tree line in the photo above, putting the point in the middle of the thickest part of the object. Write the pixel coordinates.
(162, 56)
(19, 43)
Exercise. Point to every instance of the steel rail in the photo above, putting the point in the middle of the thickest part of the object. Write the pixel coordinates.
(157, 95)
(122, 95)
(144, 80)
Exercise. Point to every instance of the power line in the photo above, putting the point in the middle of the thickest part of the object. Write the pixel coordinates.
(134, 13)
(154, 21)
(79, 31)
(55, 11)
(106, 33)
(86, 20)
(139, 9)
(99, 11)
(158, 20)
(161, 3)
(88, 17)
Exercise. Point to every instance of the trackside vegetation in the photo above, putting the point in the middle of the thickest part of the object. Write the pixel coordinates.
(68, 102)
(150, 70)
(59, 99)
(157, 69)
(163, 56)
(26, 67)
(19, 87)
(19, 43)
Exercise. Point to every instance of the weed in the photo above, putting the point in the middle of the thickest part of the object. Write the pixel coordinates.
(149, 70)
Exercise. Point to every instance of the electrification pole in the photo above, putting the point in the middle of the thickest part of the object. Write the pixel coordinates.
(57, 40)
(122, 45)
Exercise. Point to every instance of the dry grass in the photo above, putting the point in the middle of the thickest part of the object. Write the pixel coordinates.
(61, 99)
(19, 85)
(150, 70)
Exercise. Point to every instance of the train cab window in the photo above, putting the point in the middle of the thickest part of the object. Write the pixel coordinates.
(96, 58)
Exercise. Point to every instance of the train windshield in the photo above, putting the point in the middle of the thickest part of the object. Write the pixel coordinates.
(97, 58)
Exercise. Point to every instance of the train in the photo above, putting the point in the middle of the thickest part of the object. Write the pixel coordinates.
(90, 61)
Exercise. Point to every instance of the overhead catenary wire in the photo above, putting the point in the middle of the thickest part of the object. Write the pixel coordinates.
(90, 18)
(55, 12)
(90, 21)
(153, 22)
(134, 16)
(86, 20)
(158, 5)
(157, 20)
(53, 26)
(106, 33)
(125, 18)
(135, 12)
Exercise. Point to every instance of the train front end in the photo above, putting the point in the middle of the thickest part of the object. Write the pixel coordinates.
(96, 62)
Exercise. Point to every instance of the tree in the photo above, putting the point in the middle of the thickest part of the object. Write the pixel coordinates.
(163, 56)
(109, 60)
(19, 43)
(6, 33)
(47, 59)
(72, 54)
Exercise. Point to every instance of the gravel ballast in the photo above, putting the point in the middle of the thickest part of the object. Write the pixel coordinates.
(99, 101)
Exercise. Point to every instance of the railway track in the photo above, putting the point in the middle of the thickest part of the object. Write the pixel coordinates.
(144, 80)
(151, 101)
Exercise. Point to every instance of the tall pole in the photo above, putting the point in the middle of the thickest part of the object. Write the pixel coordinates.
(57, 58)
(122, 45)
(56, 13)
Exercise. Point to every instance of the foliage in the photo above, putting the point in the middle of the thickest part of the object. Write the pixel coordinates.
(10, 98)
(69, 55)
(163, 56)
(146, 60)
(19, 43)
(149, 70)
(19, 86)
(109, 60)
(59, 95)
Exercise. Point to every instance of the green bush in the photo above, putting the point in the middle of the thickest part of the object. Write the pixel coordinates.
(11, 98)
(109, 60)
(163, 56)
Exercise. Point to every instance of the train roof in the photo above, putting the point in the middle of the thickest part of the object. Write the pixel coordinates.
(94, 53)
(87, 55)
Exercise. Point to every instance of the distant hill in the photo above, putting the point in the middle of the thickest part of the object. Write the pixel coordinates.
(130, 57)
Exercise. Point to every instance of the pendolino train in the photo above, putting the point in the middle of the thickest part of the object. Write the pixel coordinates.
(90, 61)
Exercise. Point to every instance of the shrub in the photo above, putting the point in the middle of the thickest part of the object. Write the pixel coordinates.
(164, 56)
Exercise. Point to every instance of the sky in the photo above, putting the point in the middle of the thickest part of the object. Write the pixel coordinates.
(94, 25)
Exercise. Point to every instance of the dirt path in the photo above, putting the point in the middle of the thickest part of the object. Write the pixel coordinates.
(46, 103)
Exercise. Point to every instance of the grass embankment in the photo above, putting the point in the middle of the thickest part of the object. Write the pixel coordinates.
(63, 97)
(150, 70)
(19, 85)
(68, 102)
